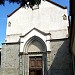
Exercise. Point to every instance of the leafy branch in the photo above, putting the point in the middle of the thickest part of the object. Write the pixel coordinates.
(21, 2)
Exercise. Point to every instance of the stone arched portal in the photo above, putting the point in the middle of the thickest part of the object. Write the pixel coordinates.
(34, 58)
(36, 42)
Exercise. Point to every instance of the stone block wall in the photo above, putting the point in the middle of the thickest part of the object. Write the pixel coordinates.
(10, 59)
(60, 60)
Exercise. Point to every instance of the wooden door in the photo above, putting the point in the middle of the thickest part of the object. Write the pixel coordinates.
(35, 66)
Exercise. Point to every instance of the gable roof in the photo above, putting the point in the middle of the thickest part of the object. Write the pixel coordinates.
(13, 11)
(63, 7)
(36, 30)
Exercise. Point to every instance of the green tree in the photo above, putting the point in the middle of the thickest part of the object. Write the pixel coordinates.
(21, 2)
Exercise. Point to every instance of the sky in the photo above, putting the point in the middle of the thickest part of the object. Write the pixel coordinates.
(10, 7)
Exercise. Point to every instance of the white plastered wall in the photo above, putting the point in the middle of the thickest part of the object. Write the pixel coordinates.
(48, 18)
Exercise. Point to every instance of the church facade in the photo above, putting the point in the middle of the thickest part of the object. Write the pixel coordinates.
(37, 41)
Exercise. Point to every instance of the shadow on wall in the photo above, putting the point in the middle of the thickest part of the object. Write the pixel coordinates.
(61, 63)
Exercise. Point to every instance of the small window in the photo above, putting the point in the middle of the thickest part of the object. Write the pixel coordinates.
(64, 17)
(9, 24)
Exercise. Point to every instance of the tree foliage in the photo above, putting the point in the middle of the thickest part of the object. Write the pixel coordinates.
(21, 2)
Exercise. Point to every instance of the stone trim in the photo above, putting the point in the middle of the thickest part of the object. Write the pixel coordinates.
(36, 30)
(22, 53)
(11, 43)
(57, 39)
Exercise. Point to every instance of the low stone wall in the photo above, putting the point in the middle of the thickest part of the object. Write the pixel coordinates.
(61, 60)
(10, 59)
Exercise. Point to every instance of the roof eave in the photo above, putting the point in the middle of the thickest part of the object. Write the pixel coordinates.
(13, 11)
(64, 7)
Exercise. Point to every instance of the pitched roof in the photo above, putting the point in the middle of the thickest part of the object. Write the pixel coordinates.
(63, 7)
(13, 11)
(36, 30)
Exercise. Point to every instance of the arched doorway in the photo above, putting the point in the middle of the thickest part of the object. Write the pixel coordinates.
(35, 56)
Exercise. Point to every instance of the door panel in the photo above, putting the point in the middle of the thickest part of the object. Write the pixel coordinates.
(35, 72)
(32, 64)
(39, 64)
(32, 72)
(35, 66)
(38, 72)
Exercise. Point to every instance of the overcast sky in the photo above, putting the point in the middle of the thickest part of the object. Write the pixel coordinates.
(8, 8)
